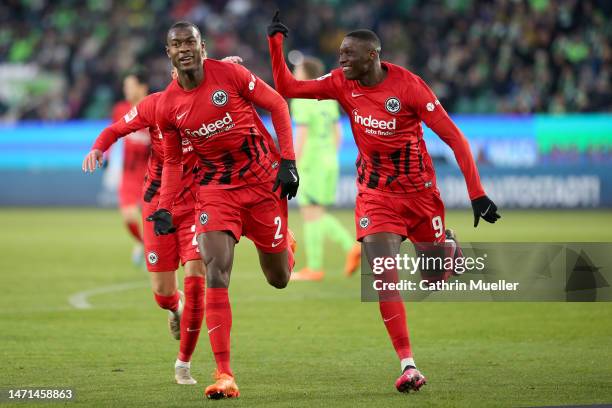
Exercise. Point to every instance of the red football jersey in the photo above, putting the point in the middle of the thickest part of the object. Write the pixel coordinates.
(226, 133)
(136, 146)
(142, 118)
(120, 109)
(386, 124)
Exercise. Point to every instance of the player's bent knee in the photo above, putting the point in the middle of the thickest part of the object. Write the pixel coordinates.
(275, 267)
(164, 283)
(278, 283)
(195, 268)
(277, 276)
(165, 291)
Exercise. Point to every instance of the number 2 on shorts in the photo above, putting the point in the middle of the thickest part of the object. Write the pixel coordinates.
(279, 223)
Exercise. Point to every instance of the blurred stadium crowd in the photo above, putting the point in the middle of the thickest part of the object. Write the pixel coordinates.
(64, 59)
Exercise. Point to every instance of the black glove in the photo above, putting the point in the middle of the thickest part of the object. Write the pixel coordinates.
(485, 208)
(287, 178)
(276, 26)
(163, 222)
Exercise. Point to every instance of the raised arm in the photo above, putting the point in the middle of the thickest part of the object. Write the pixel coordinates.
(284, 81)
(482, 205)
(131, 122)
(429, 109)
(446, 129)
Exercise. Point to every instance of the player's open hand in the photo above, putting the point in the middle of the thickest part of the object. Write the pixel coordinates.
(276, 26)
(163, 222)
(485, 208)
(287, 178)
(234, 59)
(93, 160)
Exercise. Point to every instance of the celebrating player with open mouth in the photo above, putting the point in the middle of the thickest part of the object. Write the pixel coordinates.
(163, 253)
(211, 105)
(397, 194)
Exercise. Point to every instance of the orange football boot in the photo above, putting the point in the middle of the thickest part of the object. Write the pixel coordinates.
(224, 387)
(353, 259)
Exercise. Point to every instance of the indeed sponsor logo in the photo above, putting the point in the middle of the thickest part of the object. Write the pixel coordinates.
(372, 123)
(209, 129)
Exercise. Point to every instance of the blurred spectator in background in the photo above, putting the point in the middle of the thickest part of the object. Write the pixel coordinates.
(62, 59)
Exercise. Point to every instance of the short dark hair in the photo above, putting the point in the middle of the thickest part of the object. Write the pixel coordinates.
(368, 36)
(184, 24)
(313, 67)
(140, 73)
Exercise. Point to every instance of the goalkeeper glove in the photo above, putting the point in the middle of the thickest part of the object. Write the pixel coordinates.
(276, 26)
(287, 178)
(485, 208)
(162, 220)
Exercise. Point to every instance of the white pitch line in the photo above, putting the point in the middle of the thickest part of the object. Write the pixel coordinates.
(80, 299)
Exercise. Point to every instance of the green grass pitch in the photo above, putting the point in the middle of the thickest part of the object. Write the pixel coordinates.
(311, 344)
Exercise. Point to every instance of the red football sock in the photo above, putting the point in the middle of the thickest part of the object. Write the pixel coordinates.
(193, 314)
(394, 317)
(134, 229)
(219, 323)
(168, 302)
